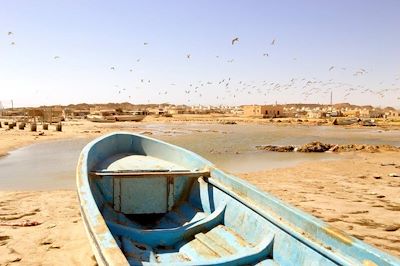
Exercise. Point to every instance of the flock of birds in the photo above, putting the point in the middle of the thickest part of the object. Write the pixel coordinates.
(230, 89)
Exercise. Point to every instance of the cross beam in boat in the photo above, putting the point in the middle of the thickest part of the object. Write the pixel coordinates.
(158, 173)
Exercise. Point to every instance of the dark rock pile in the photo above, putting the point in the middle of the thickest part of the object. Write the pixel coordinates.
(317, 146)
(275, 148)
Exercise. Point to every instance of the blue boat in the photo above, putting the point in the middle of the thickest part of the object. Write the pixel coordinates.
(147, 202)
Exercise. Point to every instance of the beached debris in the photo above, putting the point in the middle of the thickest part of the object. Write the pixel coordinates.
(314, 146)
(388, 164)
(392, 228)
(275, 148)
(227, 122)
(25, 223)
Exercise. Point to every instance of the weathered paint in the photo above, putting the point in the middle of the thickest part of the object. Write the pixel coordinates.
(256, 227)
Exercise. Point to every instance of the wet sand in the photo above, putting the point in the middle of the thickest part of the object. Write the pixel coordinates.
(353, 193)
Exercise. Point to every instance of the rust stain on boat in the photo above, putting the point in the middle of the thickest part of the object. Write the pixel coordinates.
(79, 170)
(338, 235)
(101, 227)
(369, 263)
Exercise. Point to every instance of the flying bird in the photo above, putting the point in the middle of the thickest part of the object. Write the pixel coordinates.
(273, 42)
(112, 68)
(12, 43)
(235, 40)
(265, 54)
(10, 33)
(145, 43)
(56, 57)
(188, 56)
(331, 68)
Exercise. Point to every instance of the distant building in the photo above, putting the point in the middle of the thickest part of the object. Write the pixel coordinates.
(315, 114)
(265, 111)
(356, 113)
(392, 114)
(53, 114)
(80, 113)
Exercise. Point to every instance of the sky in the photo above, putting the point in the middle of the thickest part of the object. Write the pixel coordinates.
(181, 52)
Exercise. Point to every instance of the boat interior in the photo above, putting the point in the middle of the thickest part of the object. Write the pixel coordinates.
(162, 212)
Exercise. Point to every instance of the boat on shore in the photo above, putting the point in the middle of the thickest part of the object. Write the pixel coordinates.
(147, 202)
(102, 116)
(130, 116)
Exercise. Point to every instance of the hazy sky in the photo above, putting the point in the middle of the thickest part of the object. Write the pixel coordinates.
(361, 39)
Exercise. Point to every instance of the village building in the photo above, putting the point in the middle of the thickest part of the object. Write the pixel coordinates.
(392, 114)
(316, 114)
(53, 114)
(355, 113)
(265, 111)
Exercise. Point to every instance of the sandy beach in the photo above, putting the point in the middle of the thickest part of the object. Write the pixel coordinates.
(354, 193)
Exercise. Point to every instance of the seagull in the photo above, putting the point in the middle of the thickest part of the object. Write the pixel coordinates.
(235, 40)
(56, 57)
(12, 43)
(188, 56)
(130, 70)
(273, 42)
(112, 68)
(265, 54)
(332, 67)
(10, 33)
(145, 43)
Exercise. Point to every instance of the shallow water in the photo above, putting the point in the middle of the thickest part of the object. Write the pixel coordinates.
(51, 165)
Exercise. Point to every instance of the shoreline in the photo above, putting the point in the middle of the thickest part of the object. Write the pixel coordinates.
(15, 139)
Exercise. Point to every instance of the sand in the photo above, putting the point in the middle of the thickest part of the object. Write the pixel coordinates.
(60, 237)
(354, 194)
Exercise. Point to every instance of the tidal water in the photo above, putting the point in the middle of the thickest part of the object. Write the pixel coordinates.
(51, 165)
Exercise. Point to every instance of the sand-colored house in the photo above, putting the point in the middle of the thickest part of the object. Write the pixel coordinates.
(392, 114)
(263, 110)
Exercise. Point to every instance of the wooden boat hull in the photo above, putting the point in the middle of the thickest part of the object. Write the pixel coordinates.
(147, 202)
(101, 119)
(135, 118)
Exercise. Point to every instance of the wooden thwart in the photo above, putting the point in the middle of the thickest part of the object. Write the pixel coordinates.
(127, 174)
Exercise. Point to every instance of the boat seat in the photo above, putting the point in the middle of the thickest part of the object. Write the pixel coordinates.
(149, 173)
(133, 190)
(169, 237)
